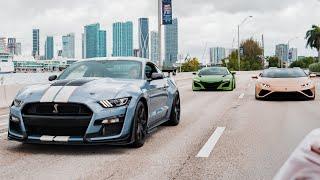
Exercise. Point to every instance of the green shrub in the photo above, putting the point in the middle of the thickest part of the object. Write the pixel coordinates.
(314, 67)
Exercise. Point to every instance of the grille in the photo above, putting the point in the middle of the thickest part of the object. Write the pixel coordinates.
(287, 96)
(56, 119)
(308, 92)
(263, 92)
(211, 86)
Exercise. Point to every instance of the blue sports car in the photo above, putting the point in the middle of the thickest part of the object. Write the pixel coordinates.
(115, 101)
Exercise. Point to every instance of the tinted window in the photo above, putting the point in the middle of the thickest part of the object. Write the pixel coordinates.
(113, 69)
(213, 71)
(283, 73)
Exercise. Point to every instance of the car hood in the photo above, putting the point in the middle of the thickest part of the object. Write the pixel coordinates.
(81, 90)
(285, 82)
(213, 78)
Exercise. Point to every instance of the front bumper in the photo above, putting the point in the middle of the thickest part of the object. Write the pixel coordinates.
(214, 86)
(285, 93)
(94, 133)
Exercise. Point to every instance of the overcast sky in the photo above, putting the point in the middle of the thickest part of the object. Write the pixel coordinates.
(200, 21)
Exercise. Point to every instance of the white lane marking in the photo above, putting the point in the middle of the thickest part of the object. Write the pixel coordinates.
(64, 95)
(4, 124)
(6, 115)
(3, 134)
(241, 96)
(211, 143)
(49, 95)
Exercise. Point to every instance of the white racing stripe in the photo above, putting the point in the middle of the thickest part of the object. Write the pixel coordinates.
(210, 144)
(61, 139)
(50, 93)
(65, 93)
(46, 138)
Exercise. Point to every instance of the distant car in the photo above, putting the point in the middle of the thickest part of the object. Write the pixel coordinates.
(276, 83)
(214, 78)
(113, 101)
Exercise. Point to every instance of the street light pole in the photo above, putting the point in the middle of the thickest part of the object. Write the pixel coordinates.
(160, 32)
(239, 40)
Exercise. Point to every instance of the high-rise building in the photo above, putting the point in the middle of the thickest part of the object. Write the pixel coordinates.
(49, 48)
(18, 49)
(154, 47)
(293, 54)
(3, 44)
(94, 41)
(36, 43)
(68, 46)
(282, 52)
(83, 39)
(217, 54)
(103, 43)
(12, 46)
(122, 39)
(171, 43)
(144, 37)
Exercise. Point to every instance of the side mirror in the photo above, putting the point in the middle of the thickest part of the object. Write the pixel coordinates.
(254, 77)
(156, 76)
(53, 77)
(194, 73)
(313, 75)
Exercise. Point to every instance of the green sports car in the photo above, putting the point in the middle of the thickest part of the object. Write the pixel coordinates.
(214, 78)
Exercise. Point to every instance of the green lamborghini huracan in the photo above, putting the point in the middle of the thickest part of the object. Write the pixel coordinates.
(214, 78)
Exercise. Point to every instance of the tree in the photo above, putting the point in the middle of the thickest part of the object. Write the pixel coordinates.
(274, 61)
(303, 63)
(251, 59)
(313, 39)
(191, 65)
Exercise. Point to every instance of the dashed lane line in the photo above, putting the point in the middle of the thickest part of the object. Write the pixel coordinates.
(3, 134)
(211, 143)
(6, 115)
(241, 96)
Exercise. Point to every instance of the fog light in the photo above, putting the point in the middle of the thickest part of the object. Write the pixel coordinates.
(111, 121)
(14, 119)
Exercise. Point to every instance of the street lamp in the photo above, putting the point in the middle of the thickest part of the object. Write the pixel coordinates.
(239, 39)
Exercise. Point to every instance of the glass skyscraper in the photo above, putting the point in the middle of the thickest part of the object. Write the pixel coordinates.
(282, 51)
(154, 47)
(68, 47)
(122, 39)
(49, 48)
(217, 54)
(36, 43)
(144, 37)
(94, 41)
(171, 43)
(102, 43)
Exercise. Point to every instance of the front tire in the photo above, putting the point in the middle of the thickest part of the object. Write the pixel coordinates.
(175, 111)
(140, 126)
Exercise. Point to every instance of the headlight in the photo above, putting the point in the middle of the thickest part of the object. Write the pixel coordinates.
(17, 103)
(265, 85)
(306, 85)
(115, 102)
(226, 80)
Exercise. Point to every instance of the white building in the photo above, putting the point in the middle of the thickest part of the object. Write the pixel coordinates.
(293, 54)
(154, 47)
(3, 44)
(68, 46)
(217, 54)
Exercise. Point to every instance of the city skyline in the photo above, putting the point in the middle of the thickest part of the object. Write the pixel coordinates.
(213, 21)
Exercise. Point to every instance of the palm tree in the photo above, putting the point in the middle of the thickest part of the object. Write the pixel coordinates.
(313, 39)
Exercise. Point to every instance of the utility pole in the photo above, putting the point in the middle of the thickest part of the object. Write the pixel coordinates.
(160, 32)
(239, 39)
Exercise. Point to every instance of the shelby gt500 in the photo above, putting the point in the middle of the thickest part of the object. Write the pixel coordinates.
(96, 101)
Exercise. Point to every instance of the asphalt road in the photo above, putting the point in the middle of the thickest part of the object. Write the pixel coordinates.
(249, 139)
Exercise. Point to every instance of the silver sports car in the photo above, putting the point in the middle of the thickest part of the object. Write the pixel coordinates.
(96, 101)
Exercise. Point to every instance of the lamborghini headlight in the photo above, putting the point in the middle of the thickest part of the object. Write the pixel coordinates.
(17, 103)
(265, 85)
(308, 84)
(115, 102)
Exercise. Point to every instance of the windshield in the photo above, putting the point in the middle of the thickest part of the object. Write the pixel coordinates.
(214, 71)
(112, 69)
(284, 73)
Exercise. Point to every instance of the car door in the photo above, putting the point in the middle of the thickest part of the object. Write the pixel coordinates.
(158, 95)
